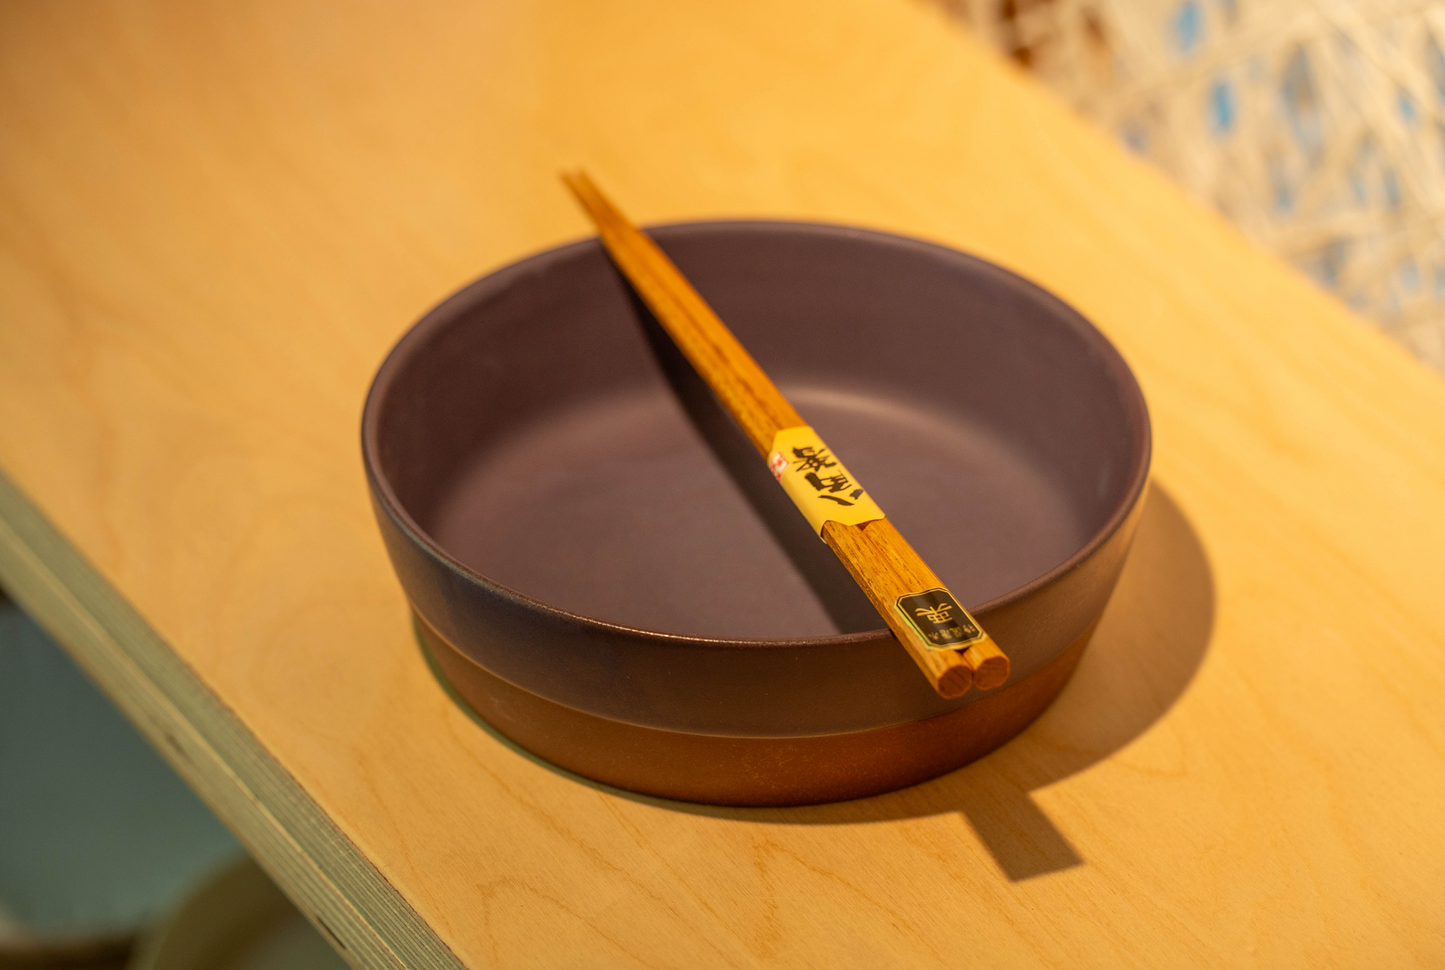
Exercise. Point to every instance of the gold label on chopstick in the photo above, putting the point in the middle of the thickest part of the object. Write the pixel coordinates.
(936, 615)
(817, 482)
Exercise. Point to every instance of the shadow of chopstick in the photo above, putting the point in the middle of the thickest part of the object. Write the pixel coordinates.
(835, 590)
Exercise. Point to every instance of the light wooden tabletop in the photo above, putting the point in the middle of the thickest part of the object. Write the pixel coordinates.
(216, 218)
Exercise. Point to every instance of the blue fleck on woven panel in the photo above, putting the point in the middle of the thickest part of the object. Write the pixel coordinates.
(1317, 126)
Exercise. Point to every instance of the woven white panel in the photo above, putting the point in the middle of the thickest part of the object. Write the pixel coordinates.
(1318, 126)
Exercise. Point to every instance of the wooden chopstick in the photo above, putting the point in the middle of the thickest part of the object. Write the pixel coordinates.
(948, 644)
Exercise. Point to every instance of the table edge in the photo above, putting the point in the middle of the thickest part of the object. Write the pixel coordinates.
(283, 828)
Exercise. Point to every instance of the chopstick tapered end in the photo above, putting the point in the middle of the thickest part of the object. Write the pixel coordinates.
(599, 208)
(583, 189)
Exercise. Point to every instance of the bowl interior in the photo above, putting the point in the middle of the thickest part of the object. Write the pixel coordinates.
(541, 430)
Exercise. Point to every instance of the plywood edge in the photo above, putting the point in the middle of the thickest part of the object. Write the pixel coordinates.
(281, 826)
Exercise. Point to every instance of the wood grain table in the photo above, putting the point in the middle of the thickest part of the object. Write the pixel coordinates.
(215, 218)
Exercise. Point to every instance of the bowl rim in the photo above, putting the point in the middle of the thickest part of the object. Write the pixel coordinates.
(445, 312)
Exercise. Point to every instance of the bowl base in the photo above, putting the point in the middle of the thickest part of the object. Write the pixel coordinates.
(749, 771)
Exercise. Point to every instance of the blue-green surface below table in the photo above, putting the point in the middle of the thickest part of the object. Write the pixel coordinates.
(98, 836)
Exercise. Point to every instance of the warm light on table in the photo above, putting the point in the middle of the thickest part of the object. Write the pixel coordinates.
(214, 221)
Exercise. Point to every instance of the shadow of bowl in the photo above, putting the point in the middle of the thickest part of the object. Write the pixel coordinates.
(1149, 644)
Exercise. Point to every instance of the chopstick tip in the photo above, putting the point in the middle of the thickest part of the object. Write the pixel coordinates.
(575, 178)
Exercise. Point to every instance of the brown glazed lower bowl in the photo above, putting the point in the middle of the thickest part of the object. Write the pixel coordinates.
(603, 569)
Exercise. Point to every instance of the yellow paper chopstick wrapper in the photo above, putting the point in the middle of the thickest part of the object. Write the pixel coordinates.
(816, 481)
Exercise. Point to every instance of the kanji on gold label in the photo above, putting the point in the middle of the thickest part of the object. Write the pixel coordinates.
(936, 615)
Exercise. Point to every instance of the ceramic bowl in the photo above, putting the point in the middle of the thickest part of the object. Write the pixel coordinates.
(605, 571)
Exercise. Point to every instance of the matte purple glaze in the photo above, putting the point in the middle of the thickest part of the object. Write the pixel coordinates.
(568, 508)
